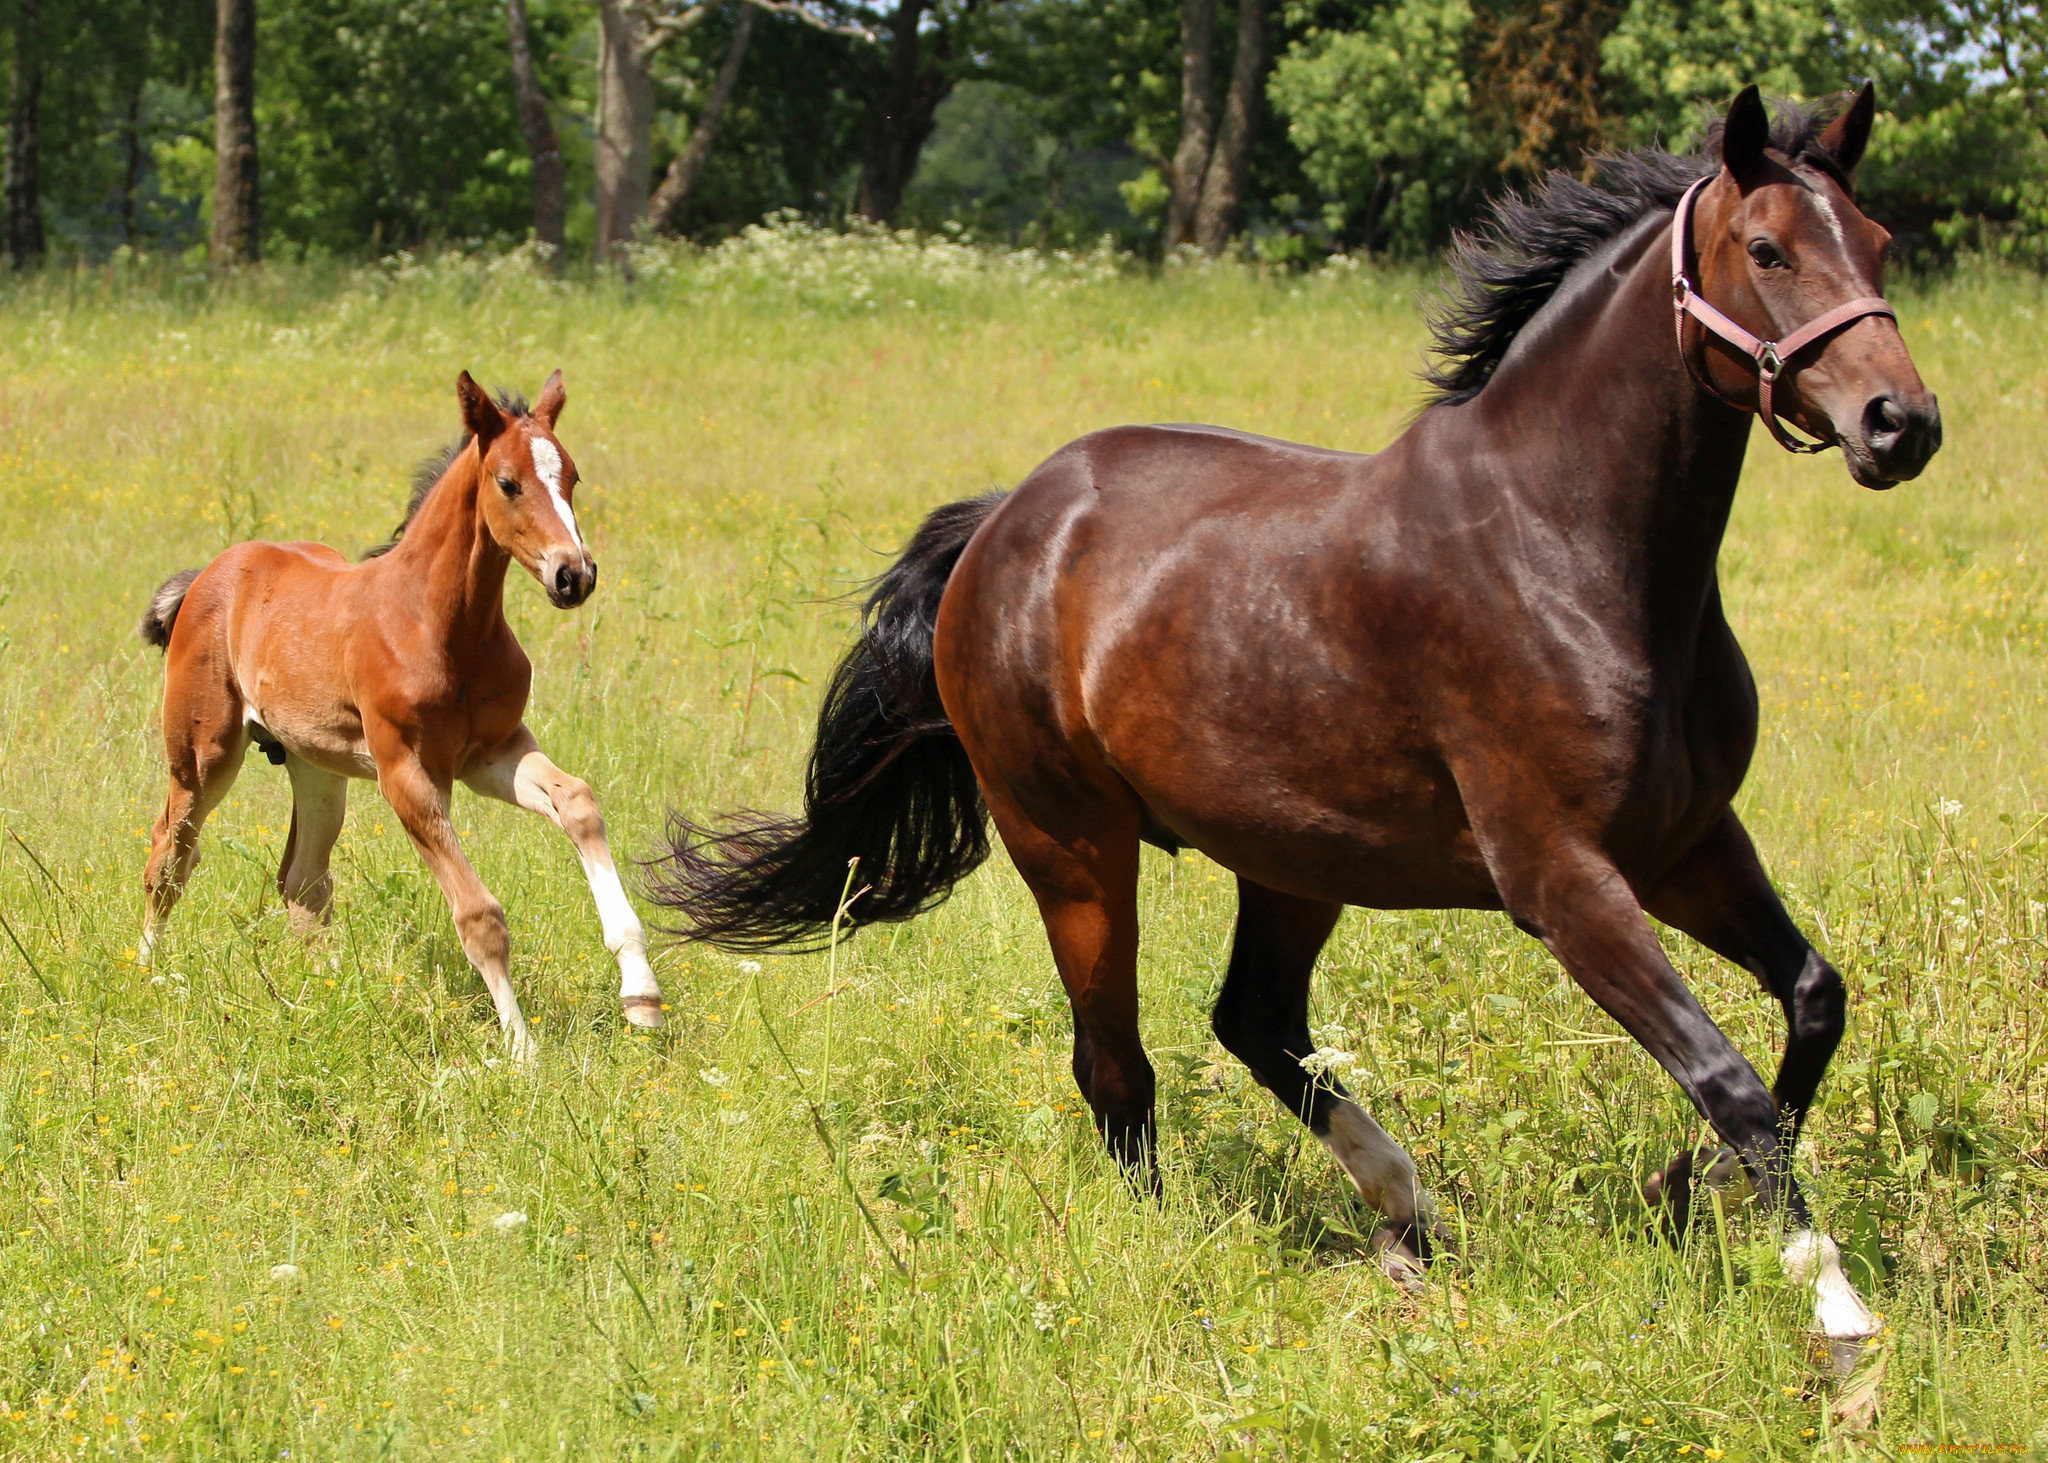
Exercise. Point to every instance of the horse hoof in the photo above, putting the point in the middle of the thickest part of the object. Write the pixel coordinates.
(642, 1011)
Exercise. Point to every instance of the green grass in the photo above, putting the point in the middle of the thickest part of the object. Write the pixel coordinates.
(754, 431)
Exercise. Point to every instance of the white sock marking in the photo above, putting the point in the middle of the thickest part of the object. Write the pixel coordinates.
(1380, 1169)
(622, 933)
(547, 461)
(1811, 1258)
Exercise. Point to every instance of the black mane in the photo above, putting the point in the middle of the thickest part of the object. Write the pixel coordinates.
(1507, 270)
(431, 469)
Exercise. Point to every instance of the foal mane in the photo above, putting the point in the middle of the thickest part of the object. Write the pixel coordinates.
(432, 469)
(1507, 270)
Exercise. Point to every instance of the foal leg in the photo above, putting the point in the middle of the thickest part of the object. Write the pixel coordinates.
(1262, 1017)
(319, 803)
(520, 773)
(1720, 895)
(1085, 879)
(421, 803)
(204, 740)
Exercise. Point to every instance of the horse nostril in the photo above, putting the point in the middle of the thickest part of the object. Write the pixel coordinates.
(1884, 421)
(565, 582)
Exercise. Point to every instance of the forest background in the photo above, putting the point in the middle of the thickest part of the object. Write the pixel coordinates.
(1287, 129)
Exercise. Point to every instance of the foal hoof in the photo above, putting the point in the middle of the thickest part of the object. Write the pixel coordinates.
(1400, 1260)
(642, 1011)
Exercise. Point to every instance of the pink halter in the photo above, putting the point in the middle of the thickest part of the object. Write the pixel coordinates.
(1770, 356)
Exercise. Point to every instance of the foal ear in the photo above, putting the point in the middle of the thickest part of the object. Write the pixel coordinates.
(480, 415)
(1746, 132)
(553, 396)
(1849, 133)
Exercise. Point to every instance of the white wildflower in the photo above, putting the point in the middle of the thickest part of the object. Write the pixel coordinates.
(733, 1119)
(510, 1221)
(1948, 807)
(284, 1273)
(712, 1077)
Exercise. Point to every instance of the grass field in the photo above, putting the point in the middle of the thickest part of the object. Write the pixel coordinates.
(694, 1274)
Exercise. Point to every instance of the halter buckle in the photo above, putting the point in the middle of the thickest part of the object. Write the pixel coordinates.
(1767, 360)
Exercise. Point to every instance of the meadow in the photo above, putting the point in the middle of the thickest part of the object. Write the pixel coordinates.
(276, 1199)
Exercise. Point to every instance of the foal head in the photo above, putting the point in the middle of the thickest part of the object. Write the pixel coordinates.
(527, 482)
(1781, 242)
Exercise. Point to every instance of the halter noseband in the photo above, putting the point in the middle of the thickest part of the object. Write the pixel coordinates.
(1770, 355)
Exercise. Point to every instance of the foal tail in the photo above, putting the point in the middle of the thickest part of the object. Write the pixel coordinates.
(889, 784)
(163, 608)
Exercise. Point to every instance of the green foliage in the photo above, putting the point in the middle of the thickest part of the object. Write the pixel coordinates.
(1382, 117)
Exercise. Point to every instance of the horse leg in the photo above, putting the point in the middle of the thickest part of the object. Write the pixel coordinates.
(1583, 909)
(1085, 880)
(520, 773)
(204, 740)
(319, 803)
(421, 803)
(1261, 1016)
(1720, 895)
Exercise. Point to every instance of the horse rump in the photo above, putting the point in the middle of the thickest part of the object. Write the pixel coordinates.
(162, 613)
(889, 784)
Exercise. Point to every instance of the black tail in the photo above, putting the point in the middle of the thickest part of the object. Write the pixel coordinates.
(889, 784)
(163, 608)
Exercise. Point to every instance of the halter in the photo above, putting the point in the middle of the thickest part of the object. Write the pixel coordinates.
(1770, 356)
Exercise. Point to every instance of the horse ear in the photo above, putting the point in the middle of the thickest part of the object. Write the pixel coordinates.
(1849, 133)
(480, 415)
(553, 397)
(1746, 132)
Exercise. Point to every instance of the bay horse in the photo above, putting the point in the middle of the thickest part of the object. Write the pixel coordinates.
(399, 668)
(1487, 668)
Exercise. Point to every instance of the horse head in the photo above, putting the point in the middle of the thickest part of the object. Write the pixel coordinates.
(1786, 257)
(527, 483)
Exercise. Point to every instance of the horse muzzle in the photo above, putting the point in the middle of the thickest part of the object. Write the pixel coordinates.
(569, 576)
(1894, 440)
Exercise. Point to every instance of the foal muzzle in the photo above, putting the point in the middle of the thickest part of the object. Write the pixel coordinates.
(569, 576)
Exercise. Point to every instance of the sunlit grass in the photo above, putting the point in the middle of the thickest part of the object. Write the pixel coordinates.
(693, 1271)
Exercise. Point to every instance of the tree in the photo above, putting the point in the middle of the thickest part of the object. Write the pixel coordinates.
(1223, 181)
(904, 109)
(631, 33)
(1197, 120)
(688, 165)
(235, 221)
(543, 148)
(23, 210)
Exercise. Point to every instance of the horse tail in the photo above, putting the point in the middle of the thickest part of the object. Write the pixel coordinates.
(163, 608)
(889, 784)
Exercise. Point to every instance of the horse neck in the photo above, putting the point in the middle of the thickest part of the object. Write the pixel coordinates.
(448, 551)
(1650, 463)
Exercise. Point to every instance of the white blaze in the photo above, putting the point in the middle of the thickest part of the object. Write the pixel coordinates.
(548, 463)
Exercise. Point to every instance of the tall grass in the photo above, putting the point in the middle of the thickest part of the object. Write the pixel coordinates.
(264, 1199)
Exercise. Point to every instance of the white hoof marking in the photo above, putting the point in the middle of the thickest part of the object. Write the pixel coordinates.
(1811, 1258)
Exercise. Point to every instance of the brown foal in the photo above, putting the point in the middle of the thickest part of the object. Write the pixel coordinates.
(1487, 668)
(400, 668)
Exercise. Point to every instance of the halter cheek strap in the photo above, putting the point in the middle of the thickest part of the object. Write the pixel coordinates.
(1771, 356)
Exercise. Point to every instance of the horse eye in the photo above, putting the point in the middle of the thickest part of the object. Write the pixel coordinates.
(1765, 254)
(509, 486)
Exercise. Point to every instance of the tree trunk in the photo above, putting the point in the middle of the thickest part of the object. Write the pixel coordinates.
(625, 124)
(1197, 119)
(1223, 182)
(24, 187)
(902, 117)
(543, 150)
(131, 177)
(235, 225)
(688, 166)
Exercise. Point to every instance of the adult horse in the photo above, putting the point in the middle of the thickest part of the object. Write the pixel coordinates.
(1486, 668)
(400, 668)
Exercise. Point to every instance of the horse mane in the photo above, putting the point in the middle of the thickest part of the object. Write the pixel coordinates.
(432, 469)
(1507, 270)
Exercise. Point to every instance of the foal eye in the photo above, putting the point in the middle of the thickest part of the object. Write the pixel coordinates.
(1765, 254)
(509, 486)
